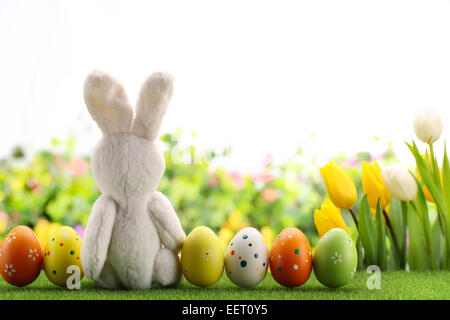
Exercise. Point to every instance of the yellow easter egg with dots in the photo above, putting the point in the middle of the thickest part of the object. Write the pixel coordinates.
(202, 257)
(62, 250)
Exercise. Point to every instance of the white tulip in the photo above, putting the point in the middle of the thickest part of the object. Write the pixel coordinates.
(399, 182)
(428, 125)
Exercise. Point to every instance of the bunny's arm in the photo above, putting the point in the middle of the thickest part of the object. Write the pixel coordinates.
(166, 221)
(97, 236)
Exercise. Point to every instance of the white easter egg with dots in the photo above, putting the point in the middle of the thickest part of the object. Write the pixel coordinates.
(246, 258)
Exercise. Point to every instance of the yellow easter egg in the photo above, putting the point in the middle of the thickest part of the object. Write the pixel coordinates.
(202, 257)
(62, 251)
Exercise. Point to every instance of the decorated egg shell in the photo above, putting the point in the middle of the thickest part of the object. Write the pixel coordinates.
(20, 256)
(291, 258)
(202, 257)
(246, 259)
(335, 258)
(62, 250)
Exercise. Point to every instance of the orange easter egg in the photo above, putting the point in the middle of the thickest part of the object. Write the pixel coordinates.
(291, 258)
(20, 256)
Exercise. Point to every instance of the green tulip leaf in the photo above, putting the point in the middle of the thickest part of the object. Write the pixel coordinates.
(361, 266)
(446, 179)
(381, 237)
(445, 216)
(420, 205)
(393, 259)
(398, 223)
(368, 232)
(418, 259)
(426, 174)
(438, 240)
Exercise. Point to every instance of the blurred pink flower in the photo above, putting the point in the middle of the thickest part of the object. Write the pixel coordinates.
(59, 161)
(32, 184)
(77, 166)
(37, 191)
(269, 194)
(264, 176)
(237, 179)
(79, 229)
(267, 160)
(214, 181)
(4, 221)
(302, 178)
(377, 157)
(352, 161)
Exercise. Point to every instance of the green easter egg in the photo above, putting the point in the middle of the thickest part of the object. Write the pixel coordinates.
(335, 258)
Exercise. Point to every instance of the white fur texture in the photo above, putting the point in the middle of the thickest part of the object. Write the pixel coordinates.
(133, 234)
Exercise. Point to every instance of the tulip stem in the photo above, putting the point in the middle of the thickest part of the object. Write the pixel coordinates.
(394, 238)
(441, 223)
(354, 218)
(432, 157)
(434, 169)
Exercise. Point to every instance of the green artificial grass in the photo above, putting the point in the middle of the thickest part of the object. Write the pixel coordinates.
(394, 285)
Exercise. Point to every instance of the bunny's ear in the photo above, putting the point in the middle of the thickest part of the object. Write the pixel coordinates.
(152, 104)
(107, 103)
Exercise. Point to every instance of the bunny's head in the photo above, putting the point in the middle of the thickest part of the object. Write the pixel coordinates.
(127, 162)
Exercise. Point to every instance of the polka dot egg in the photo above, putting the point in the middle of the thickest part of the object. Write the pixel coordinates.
(291, 258)
(246, 258)
(61, 251)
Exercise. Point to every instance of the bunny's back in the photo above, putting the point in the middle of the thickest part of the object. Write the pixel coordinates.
(128, 169)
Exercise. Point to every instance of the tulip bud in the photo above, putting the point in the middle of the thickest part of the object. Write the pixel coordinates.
(328, 217)
(373, 185)
(340, 186)
(399, 182)
(428, 125)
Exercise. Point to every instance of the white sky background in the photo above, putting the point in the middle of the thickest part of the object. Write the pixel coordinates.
(259, 76)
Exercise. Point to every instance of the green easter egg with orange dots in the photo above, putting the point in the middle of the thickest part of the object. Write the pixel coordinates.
(62, 250)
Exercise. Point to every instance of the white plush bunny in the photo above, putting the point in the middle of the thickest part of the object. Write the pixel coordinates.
(133, 234)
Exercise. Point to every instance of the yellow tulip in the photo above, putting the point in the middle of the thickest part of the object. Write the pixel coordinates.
(234, 221)
(340, 186)
(373, 185)
(43, 229)
(268, 236)
(225, 234)
(328, 217)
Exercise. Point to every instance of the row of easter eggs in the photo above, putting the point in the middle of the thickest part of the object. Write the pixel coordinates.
(203, 257)
(22, 257)
(247, 258)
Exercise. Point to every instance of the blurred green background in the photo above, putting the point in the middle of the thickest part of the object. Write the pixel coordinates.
(55, 186)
